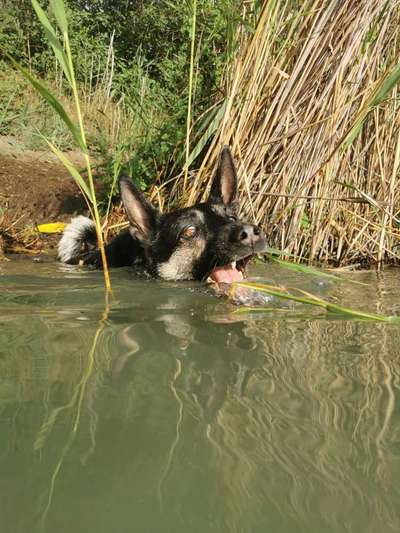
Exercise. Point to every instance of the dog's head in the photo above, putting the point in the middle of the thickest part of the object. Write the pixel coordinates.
(206, 240)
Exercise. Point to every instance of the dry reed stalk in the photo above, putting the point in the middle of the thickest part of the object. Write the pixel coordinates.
(299, 85)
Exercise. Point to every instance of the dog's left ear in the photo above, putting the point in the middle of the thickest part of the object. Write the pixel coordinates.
(224, 186)
(141, 214)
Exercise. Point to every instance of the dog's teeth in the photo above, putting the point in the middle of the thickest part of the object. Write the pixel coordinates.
(233, 264)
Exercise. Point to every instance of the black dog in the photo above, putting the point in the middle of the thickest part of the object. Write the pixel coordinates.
(194, 243)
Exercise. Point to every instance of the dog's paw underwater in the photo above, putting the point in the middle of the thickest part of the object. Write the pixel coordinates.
(205, 241)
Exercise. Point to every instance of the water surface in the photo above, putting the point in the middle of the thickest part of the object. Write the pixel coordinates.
(190, 417)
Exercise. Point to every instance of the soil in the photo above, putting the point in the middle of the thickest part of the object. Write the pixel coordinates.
(35, 188)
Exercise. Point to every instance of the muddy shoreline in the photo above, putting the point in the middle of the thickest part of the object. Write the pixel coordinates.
(35, 188)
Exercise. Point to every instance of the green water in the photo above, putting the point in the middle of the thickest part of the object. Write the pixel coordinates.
(191, 418)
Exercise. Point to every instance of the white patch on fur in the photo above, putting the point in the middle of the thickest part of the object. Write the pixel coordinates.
(72, 239)
(180, 265)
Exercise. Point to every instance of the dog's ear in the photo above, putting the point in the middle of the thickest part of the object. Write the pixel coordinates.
(224, 185)
(141, 214)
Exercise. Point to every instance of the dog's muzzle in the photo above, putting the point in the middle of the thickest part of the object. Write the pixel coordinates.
(250, 236)
(250, 240)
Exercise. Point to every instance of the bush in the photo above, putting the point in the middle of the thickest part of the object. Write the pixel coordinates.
(150, 55)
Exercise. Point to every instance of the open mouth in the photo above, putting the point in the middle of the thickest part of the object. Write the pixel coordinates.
(235, 271)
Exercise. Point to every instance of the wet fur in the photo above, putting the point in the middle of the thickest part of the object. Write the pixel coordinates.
(186, 244)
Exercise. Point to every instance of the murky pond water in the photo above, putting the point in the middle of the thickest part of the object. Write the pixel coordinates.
(190, 417)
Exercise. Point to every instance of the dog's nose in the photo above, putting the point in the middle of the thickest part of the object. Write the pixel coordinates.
(250, 235)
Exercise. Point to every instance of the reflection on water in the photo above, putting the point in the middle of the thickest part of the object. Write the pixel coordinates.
(189, 417)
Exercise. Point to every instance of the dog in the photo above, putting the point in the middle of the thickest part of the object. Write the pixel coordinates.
(204, 242)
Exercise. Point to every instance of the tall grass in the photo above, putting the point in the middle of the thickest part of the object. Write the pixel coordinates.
(311, 113)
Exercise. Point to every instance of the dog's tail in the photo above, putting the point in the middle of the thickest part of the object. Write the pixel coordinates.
(78, 237)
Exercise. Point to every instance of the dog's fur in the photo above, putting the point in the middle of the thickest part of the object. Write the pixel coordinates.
(187, 244)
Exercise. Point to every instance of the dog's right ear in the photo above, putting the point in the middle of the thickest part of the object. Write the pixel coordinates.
(141, 214)
(224, 185)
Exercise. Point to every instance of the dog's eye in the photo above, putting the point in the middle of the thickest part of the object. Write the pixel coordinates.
(189, 232)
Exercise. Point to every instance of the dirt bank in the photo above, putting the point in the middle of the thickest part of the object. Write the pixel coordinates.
(34, 188)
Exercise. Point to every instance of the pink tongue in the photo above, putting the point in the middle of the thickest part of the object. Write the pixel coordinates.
(226, 274)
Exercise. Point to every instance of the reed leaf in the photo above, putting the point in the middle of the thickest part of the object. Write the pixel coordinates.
(73, 171)
(210, 130)
(378, 96)
(311, 271)
(310, 299)
(59, 12)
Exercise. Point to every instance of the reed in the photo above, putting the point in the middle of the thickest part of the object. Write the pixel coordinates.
(303, 297)
(190, 92)
(62, 52)
(312, 115)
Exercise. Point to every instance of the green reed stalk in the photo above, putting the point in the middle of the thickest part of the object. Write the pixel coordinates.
(99, 231)
(189, 110)
(62, 52)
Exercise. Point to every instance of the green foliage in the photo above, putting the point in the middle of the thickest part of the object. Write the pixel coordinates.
(151, 54)
(23, 113)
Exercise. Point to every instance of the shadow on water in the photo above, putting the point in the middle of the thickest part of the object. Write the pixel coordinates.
(188, 417)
